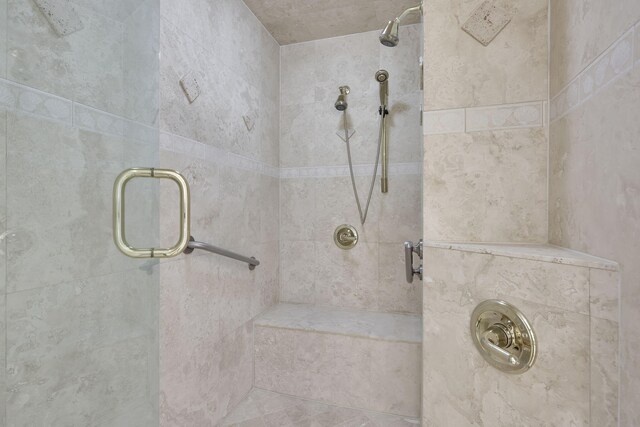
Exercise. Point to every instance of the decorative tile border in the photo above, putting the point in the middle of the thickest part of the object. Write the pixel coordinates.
(15, 96)
(93, 120)
(513, 116)
(444, 121)
(613, 63)
(477, 119)
(22, 98)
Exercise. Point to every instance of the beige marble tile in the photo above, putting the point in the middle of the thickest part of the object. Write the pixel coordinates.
(582, 30)
(65, 199)
(460, 388)
(297, 271)
(82, 316)
(605, 294)
(347, 278)
(354, 372)
(297, 68)
(81, 382)
(297, 209)
(554, 285)
(459, 72)
(298, 135)
(208, 381)
(604, 372)
(602, 219)
(85, 66)
(474, 186)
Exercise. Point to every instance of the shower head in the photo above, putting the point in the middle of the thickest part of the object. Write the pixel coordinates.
(389, 36)
(341, 103)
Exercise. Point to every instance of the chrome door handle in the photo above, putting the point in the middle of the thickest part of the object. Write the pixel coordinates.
(409, 250)
(119, 235)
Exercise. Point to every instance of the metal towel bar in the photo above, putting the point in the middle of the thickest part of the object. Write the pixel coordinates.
(253, 263)
(185, 244)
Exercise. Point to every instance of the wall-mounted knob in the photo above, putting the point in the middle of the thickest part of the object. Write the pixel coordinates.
(345, 236)
(503, 336)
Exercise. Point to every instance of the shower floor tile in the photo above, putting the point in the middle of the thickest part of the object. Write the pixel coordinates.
(263, 408)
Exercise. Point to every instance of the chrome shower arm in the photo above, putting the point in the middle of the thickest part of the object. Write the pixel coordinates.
(408, 12)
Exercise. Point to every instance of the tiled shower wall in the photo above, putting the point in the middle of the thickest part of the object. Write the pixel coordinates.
(226, 144)
(594, 189)
(315, 189)
(485, 140)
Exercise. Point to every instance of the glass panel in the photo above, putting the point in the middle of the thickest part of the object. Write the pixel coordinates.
(78, 104)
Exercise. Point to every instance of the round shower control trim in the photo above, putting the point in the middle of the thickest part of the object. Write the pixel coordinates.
(345, 236)
(503, 336)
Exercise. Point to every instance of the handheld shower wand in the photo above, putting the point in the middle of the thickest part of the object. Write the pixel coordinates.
(382, 77)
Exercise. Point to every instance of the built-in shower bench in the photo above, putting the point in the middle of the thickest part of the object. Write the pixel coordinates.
(346, 357)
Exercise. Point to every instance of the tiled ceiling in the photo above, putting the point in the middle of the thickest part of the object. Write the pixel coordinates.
(295, 21)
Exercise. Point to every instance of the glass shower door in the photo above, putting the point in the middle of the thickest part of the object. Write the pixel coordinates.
(78, 104)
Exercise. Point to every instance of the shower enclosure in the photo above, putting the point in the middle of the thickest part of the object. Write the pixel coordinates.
(79, 320)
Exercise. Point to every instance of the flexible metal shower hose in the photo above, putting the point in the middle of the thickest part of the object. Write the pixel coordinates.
(363, 216)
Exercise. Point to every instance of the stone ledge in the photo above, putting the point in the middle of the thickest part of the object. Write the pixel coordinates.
(536, 252)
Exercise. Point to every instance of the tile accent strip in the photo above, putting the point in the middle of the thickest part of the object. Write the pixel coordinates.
(477, 119)
(613, 63)
(18, 97)
(31, 101)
